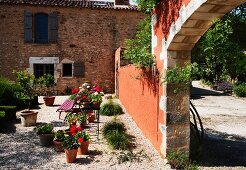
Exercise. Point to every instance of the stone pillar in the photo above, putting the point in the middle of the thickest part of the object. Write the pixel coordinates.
(177, 108)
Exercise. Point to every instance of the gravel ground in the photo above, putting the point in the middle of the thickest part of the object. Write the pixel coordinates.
(224, 120)
(20, 148)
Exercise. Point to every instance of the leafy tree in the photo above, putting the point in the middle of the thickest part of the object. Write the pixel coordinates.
(220, 51)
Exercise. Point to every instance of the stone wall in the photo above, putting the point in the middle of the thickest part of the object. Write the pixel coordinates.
(86, 35)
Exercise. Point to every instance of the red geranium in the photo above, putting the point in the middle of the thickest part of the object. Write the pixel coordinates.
(79, 128)
(76, 90)
(73, 130)
(80, 140)
(84, 97)
(97, 89)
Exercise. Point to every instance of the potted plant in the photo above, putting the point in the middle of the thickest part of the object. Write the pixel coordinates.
(96, 99)
(49, 82)
(70, 143)
(58, 138)
(27, 82)
(46, 134)
(83, 140)
(81, 119)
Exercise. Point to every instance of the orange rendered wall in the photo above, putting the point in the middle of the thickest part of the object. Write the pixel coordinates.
(140, 98)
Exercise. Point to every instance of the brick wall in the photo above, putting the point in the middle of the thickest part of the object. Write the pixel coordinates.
(84, 35)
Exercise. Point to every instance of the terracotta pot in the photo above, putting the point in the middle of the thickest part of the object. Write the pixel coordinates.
(85, 104)
(49, 100)
(91, 118)
(28, 118)
(83, 148)
(71, 155)
(96, 104)
(46, 139)
(58, 146)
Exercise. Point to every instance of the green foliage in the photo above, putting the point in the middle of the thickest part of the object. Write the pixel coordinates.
(59, 135)
(10, 112)
(45, 128)
(84, 135)
(111, 109)
(179, 160)
(130, 156)
(117, 140)
(240, 90)
(146, 5)
(220, 51)
(10, 93)
(113, 126)
(27, 82)
(138, 50)
(75, 117)
(181, 76)
(2, 114)
(70, 142)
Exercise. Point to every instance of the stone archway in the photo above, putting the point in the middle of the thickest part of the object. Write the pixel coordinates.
(177, 26)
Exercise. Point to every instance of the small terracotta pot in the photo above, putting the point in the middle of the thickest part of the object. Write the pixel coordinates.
(83, 148)
(58, 146)
(71, 155)
(49, 100)
(96, 105)
(91, 118)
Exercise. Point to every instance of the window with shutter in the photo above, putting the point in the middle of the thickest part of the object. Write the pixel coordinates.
(28, 27)
(79, 69)
(53, 27)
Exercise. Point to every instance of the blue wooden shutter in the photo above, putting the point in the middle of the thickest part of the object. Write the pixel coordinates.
(28, 27)
(53, 27)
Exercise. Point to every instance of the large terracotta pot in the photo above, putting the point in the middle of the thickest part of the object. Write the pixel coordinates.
(58, 146)
(91, 118)
(83, 148)
(46, 139)
(28, 118)
(49, 100)
(71, 155)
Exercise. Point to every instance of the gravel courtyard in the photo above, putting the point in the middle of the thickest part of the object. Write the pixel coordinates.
(20, 148)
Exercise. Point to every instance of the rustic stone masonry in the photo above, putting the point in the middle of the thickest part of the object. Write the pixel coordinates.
(88, 36)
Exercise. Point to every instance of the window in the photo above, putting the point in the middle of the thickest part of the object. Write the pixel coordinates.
(67, 70)
(42, 69)
(40, 27)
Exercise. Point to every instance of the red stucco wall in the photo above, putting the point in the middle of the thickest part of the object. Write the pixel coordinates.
(139, 95)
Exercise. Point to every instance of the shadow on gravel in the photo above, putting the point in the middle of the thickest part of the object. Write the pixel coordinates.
(8, 126)
(198, 93)
(222, 149)
(21, 150)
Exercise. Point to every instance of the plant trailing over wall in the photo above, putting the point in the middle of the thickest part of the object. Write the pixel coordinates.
(180, 76)
(138, 50)
(147, 5)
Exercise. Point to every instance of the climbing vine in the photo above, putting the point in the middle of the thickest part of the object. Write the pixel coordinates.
(138, 50)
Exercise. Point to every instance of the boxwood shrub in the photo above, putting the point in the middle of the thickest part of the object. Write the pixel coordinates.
(10, 112)
(240, 90)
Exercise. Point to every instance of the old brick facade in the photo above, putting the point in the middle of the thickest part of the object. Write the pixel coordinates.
(87, 37)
